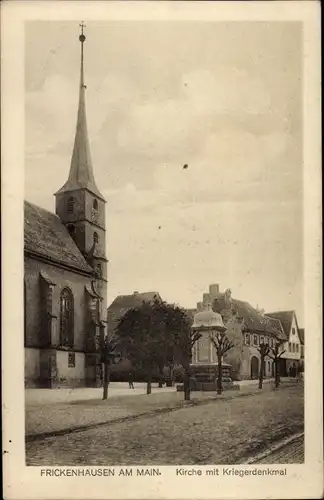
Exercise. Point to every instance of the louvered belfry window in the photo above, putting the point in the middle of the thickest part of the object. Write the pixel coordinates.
(66, 318)
(70, 205)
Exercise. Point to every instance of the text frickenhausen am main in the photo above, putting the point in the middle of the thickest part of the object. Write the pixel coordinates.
(179, 471)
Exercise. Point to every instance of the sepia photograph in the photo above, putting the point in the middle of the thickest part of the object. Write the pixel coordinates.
(162, 315)
(163, 243)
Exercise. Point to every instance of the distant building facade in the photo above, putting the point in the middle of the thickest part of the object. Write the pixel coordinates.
(246, 327)
(65, 275)
(292, 342)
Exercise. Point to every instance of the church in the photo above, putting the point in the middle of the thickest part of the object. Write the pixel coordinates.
(65, 274)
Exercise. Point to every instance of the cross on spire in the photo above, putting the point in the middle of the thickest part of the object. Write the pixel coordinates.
(82, 37)
(81, 172)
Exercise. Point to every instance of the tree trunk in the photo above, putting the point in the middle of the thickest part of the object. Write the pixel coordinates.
(161, 377)
(277, 374)
(171, 372)
(261, 373)
(106, 380)
(186, 385)
(169, 382)
(220, 374)
(149, 383)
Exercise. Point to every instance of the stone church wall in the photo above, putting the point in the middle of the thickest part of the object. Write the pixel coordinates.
(37, 341)
(32, 367)
(71, 376)
(34, 306)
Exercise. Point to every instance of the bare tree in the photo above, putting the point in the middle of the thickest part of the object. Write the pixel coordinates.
(275, 354)
(184, 339)
(264, 352)
(222, 344)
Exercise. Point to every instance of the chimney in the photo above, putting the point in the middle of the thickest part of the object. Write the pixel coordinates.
(213, 290)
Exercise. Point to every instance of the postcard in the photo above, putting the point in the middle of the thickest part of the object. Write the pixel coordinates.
(161, 223)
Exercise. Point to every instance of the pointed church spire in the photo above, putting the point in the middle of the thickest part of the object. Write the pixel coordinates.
(81, 171)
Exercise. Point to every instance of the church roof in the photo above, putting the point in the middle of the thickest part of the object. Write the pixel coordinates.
(46, 236)
(81, 170)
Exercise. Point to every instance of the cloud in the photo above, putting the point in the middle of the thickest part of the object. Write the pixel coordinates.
(226, 90)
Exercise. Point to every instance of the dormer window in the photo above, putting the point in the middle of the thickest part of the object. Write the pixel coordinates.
(95, 237)
(70, 205)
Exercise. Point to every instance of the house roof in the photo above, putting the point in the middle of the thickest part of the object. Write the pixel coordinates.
(302, 335)
(285, 318)
(254, 321)
(191, 313)
(134, 300)
(119, 307)
(46, 236)
(276, 323)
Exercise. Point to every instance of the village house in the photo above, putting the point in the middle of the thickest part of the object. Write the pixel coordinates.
(123, 303)
(292, 344)
(247, 327)
(65, 275)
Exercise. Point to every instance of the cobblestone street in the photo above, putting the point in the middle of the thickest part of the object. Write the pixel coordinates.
(63, 409)
(221, 431)
(291, 453)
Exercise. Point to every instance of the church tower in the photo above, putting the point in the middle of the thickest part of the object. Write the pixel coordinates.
(79, 203)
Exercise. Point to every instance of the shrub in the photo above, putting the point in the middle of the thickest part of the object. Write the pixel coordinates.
(178, 374)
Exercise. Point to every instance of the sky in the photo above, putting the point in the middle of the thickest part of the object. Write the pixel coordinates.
(224, 98)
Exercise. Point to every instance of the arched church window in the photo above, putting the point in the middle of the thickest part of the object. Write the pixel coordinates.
(95, 204)
(66, 317)
(95, 237)
(70, 205)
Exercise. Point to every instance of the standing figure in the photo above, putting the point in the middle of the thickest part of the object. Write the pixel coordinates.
(130, 381)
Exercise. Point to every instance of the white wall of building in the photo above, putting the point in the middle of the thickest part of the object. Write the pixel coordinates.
(293, 345)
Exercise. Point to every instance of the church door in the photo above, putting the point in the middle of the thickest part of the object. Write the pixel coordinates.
(254, 367)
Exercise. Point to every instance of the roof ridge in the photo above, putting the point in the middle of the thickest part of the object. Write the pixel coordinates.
(41, 208)
(46, 235)
(280, 312)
